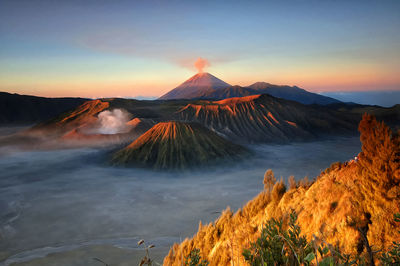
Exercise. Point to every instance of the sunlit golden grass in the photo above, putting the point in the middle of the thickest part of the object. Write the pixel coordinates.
(344, 199)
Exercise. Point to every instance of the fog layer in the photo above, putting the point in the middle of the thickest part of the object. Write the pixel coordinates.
(66, 200)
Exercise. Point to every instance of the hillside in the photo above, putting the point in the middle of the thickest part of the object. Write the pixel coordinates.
(208, 87)
(263, 118)
(24, 109)
(228, 92)
(345, 200)
(250, 119)
(195, 86)
(292, 93)
(177, 145)
(83, 115)
(284, 92)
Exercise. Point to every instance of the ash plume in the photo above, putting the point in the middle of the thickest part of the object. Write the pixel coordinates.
(200, 64)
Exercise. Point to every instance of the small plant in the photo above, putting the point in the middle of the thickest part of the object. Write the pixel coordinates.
(392, 257)
(194, 259)
(279, 246)
(146, 260)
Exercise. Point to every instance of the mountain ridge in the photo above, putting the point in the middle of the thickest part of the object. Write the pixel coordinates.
(27, 109)
(264, 118)
(208, 87)
(177, 146)
(195, 85)
(293, 93)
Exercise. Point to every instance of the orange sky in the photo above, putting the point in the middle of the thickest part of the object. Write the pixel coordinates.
(135, 48)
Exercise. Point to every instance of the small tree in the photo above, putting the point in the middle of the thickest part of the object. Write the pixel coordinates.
(269, 180)
(380, 156)
(277, 246)
(292, 182)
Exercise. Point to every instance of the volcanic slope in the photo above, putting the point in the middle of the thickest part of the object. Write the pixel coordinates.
(250, 119)
(292, 93)
(285, 92)
(206, 86)
(85, 116)
(345, 200)
(177, 145)
(263, 118)
(195, 87)
(25, 109)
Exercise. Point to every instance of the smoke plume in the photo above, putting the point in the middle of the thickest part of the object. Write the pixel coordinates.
(201, 63)
(113, 122)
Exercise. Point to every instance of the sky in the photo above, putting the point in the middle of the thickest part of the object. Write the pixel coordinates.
(105, 48)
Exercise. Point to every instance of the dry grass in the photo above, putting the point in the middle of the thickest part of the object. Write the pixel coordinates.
(347, 198)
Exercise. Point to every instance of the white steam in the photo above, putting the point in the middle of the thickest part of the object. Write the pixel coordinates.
(113, 122)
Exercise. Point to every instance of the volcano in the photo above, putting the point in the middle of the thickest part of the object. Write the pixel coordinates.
(196, 87)
(264, 118)
(178, 145)
(205, 86)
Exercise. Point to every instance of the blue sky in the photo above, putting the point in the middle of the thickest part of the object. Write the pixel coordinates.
(130, 48)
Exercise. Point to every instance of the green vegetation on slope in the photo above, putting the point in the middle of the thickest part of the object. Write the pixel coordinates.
(177, 145)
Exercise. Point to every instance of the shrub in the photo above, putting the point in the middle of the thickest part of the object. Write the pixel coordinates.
(279, 246)
(269, 180)
(392, 257)
(194, 259)
(292, 182)
(278, 190)
(380, 156)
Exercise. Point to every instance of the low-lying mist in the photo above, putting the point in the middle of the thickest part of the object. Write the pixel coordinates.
(60, 200)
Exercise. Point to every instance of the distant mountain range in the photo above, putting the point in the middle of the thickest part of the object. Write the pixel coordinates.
(381, 97)
(292, 93)
(206, 126)
(25, 109)
(207, 86)
(251, 119)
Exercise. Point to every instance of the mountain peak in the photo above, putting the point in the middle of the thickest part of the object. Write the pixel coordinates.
(196, 86)
(204, 79)
(178, 145)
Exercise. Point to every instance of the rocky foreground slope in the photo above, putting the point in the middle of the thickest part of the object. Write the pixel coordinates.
(177, 145)
(345, 200)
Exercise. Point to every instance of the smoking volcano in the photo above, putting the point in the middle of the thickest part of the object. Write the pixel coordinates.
(201, 84)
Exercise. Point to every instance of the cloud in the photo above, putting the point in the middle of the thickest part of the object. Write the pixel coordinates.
(178, 50)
